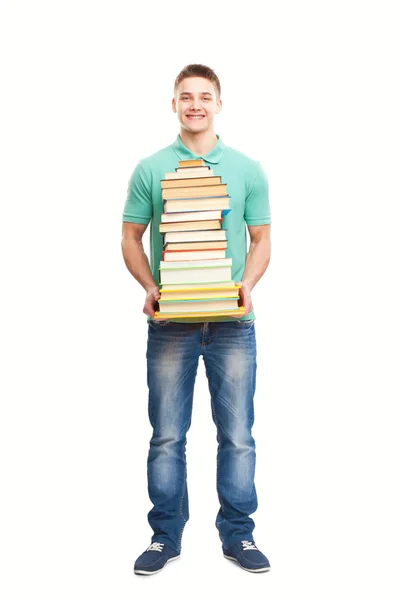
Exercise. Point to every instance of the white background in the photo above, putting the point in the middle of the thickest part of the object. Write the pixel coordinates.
(311, 90)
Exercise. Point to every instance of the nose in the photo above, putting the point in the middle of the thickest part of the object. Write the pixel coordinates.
(196, 104)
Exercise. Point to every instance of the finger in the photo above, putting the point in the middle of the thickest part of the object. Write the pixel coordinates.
(148, 310)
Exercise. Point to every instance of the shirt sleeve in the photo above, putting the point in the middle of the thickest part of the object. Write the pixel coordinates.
(138, 205)
(257, 210)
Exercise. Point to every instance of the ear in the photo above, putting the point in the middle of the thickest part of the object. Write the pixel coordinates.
(219, 106)
(173, 105)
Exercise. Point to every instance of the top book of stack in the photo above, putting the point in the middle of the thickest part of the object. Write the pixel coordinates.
(196, 168)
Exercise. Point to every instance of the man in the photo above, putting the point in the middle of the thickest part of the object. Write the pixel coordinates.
(227, 344)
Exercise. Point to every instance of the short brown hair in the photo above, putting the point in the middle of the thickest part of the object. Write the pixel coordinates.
(199, 71)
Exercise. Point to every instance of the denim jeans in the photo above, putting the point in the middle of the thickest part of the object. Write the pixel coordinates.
(229, 353)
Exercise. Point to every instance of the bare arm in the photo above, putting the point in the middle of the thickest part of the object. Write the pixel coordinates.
(257, 261)
(138, 264)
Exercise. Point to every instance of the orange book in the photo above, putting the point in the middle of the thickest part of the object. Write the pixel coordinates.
(202, 191)
(213, 245)
(196, 162)
(190, 182)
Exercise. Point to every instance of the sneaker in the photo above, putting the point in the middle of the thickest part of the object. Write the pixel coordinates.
(248, 556)
(154, 558)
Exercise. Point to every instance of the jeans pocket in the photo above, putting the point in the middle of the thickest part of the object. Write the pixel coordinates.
(159, 322)
(248, 323)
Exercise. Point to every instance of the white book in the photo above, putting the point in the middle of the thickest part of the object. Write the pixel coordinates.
(204, 235)
(217, 285)
(198, 306)
(201, 215)
(195, 276)
(197, 264)
(195, 255)
(195, 293)
(187, 172)
(196, 204)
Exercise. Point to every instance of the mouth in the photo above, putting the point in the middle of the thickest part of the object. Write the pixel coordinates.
(195, 117)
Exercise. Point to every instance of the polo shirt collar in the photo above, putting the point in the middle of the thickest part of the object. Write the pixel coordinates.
(183, 153)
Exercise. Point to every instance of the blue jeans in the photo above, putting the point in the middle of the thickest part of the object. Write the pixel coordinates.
(229, 353)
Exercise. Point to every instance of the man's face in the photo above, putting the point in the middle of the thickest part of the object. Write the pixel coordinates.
(196, 104)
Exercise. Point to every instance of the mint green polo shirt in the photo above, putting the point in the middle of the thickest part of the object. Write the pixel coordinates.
(247, 186)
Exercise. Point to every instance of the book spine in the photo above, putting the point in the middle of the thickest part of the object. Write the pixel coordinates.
(172, 268)
(206, 191)
(191, 182)
(199, 299)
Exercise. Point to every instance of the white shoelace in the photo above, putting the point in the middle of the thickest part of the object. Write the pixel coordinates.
(249, 546)
(155, 546)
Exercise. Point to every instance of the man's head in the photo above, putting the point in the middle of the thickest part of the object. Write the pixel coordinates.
(197, 91)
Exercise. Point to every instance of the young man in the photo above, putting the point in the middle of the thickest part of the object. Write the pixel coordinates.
(227, 344)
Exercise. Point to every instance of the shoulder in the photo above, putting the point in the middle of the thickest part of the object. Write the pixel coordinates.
(242, 161)
(156, 158)
(150, 166)
(249, 167)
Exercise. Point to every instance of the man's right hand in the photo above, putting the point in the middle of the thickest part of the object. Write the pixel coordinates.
(151, 303)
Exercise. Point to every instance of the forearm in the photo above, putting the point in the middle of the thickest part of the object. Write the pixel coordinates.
(137, 262)
(257, 261)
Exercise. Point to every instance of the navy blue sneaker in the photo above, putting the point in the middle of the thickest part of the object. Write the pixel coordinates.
(248, 556)
(154, 558)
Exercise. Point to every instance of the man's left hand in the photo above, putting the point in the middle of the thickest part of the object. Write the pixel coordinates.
(245, 297)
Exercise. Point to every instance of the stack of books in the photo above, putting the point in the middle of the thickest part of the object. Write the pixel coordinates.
(195, 274)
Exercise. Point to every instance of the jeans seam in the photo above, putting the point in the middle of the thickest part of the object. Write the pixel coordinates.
(180, 505)
(203, 335)
(217, 469)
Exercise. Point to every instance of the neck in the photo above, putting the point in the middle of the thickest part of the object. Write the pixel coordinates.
(199, 143)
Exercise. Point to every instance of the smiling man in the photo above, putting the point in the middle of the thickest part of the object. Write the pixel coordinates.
(227, 344)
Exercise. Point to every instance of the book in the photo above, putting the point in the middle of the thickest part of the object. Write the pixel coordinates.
(211, 234)
(195, 275)
(198, 292)
(202, 215)
(190, 226)
(205, 304)
(195, 255)
(217, 285)
(196, 204)
(193, 162)
(239, 312)
(190, 182)
(187, 264)
(188, 172)
(202, 191)
(175, 246)
(199, 295)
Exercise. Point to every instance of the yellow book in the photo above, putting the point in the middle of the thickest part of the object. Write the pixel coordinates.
(229, 313)
(198, 295)
(202, 289)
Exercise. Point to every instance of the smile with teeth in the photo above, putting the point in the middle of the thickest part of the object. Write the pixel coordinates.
(195, 116)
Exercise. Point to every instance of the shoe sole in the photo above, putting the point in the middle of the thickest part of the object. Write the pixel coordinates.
(262, 570)
(138, 572)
